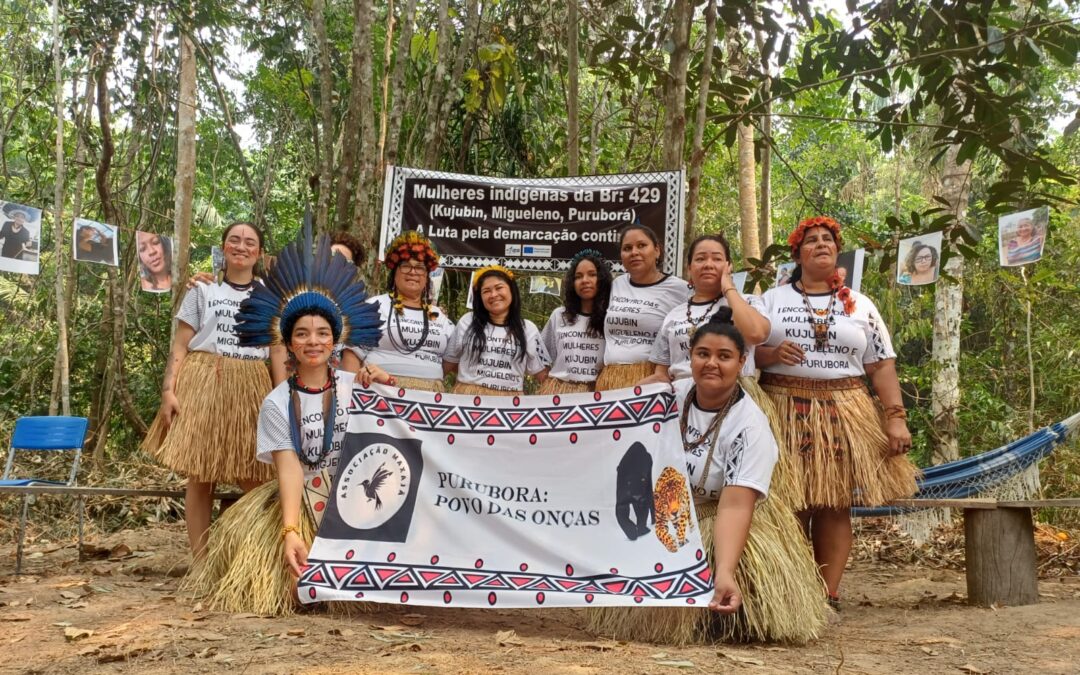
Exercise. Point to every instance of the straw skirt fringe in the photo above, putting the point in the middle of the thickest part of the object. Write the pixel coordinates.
(783, 595)
(837, 446)
(552, 386)
(419, 384)
(786, 483)
(622, 375)
(480, 390)
(244, 569)
(212, 439)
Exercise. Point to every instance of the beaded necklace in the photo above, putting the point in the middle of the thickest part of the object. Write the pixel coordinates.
(820, 319)
(329, 417)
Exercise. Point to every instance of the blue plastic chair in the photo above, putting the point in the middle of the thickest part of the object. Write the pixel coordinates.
(62, 434)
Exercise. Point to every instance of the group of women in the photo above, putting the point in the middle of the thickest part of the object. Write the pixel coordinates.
(810, 435)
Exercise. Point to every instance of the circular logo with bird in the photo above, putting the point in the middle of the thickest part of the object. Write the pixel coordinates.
(373, 486)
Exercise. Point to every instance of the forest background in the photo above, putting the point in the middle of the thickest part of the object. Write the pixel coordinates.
(896, 118)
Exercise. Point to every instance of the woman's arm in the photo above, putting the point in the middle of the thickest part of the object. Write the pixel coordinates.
(886, 385)
(733, 516)
(350, 361)
(279, 356)
(170, 406)
(753, 326)
(660, 376)
(291, 492)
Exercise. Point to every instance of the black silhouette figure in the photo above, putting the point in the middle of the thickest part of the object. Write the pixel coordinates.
(633, 490)
(371, 487)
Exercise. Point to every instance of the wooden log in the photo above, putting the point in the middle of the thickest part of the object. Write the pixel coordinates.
(104, 491)
(1000, 549)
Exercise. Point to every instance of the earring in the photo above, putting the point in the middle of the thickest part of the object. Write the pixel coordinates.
(690, 285)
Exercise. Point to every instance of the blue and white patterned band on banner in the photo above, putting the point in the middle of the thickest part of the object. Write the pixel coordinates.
(488, 501)
(532, 224)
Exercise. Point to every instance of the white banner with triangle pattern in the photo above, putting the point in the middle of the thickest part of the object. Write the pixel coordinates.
(510, 501)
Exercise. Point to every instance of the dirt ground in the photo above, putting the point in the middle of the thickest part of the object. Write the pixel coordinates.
(124, 615)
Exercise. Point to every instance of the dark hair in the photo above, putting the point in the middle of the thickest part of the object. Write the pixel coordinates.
(718, 238)
(481, 317)
(343, 238)
(909, 261)
(166, 252)
(288, 325)
(648, 233)
(572, 301)
(722, 324)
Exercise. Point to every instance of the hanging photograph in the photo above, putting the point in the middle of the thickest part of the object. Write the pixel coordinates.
(849, 265)
(1021, 236)
(783, 273)
(546, 285)
(155, 261)
(217, 260)
(436, 279)
(20, 238)
(94, 242)
(918, 259)
(739, 279)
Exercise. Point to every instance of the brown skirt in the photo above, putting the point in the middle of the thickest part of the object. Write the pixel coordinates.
(212, 438)
(622, 375)
(552, 386)
(833, 432)
(420, 384)
(783, 594)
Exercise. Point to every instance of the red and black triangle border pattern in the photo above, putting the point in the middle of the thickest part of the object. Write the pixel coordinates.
(510, 416)
(358, 578)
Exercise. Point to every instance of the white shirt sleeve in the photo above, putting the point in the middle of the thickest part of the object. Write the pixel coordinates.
(549, 336)
(191, 308)
(750, 460)
(273, 432)
(661, 348)
(878, 341)
(536, 355)
(457, 341)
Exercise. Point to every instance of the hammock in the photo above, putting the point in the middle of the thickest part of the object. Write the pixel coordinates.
(983, 472)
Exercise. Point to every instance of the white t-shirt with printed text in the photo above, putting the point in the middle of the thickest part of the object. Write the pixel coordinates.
(745, 452)
(672, 346)
(575, 355)
(635, 314)
(211, 310)
(853, 340)
(273, 430)
(401, 332)
(498, 366)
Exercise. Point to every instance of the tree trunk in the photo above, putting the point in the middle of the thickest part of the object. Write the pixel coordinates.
(397, 93)
(999, 548)
(748, 204)
(62, 366)
(697, 152)
(326, 112)
(573, 133)
(184, 182)
(948, 305)
(466, 46)
(384, 110)
(363, 215)
(682, 15)
(359, 106)
(438, 85)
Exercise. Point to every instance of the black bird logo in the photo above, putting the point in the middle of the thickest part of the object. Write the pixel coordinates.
(371, 487)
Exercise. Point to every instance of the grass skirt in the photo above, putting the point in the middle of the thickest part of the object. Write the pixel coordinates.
(552, 386)
(836, 442)
(783, 595)
(420, 384)
(244, 569)
(480, 390)
(212, 439)
(622, 375)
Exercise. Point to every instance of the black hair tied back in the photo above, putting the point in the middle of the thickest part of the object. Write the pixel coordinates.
(721, 323)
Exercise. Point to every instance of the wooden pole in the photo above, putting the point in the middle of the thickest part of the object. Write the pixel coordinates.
(1001, 563)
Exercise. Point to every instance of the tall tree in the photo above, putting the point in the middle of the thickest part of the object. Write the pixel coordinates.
(184, 177)
(573, 122)
(58, 221)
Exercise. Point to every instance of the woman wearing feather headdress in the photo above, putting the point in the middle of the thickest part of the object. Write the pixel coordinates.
(416, 333)
(574, 333)
(308, 306)
(212, 389)
(494, 347)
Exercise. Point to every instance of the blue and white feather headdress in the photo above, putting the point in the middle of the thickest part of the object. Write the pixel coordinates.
(301, 280)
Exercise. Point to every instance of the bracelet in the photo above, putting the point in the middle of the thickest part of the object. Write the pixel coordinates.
(390, 381)
(290, 528)
(731, 288)
(893, 412)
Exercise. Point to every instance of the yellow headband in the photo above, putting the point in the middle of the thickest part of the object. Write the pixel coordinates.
(491, 268)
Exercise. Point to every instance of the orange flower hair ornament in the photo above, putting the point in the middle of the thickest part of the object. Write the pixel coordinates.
(795, 239)
(491, 268)
(411, 245)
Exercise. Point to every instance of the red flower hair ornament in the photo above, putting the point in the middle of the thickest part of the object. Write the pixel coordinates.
(795, 239)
